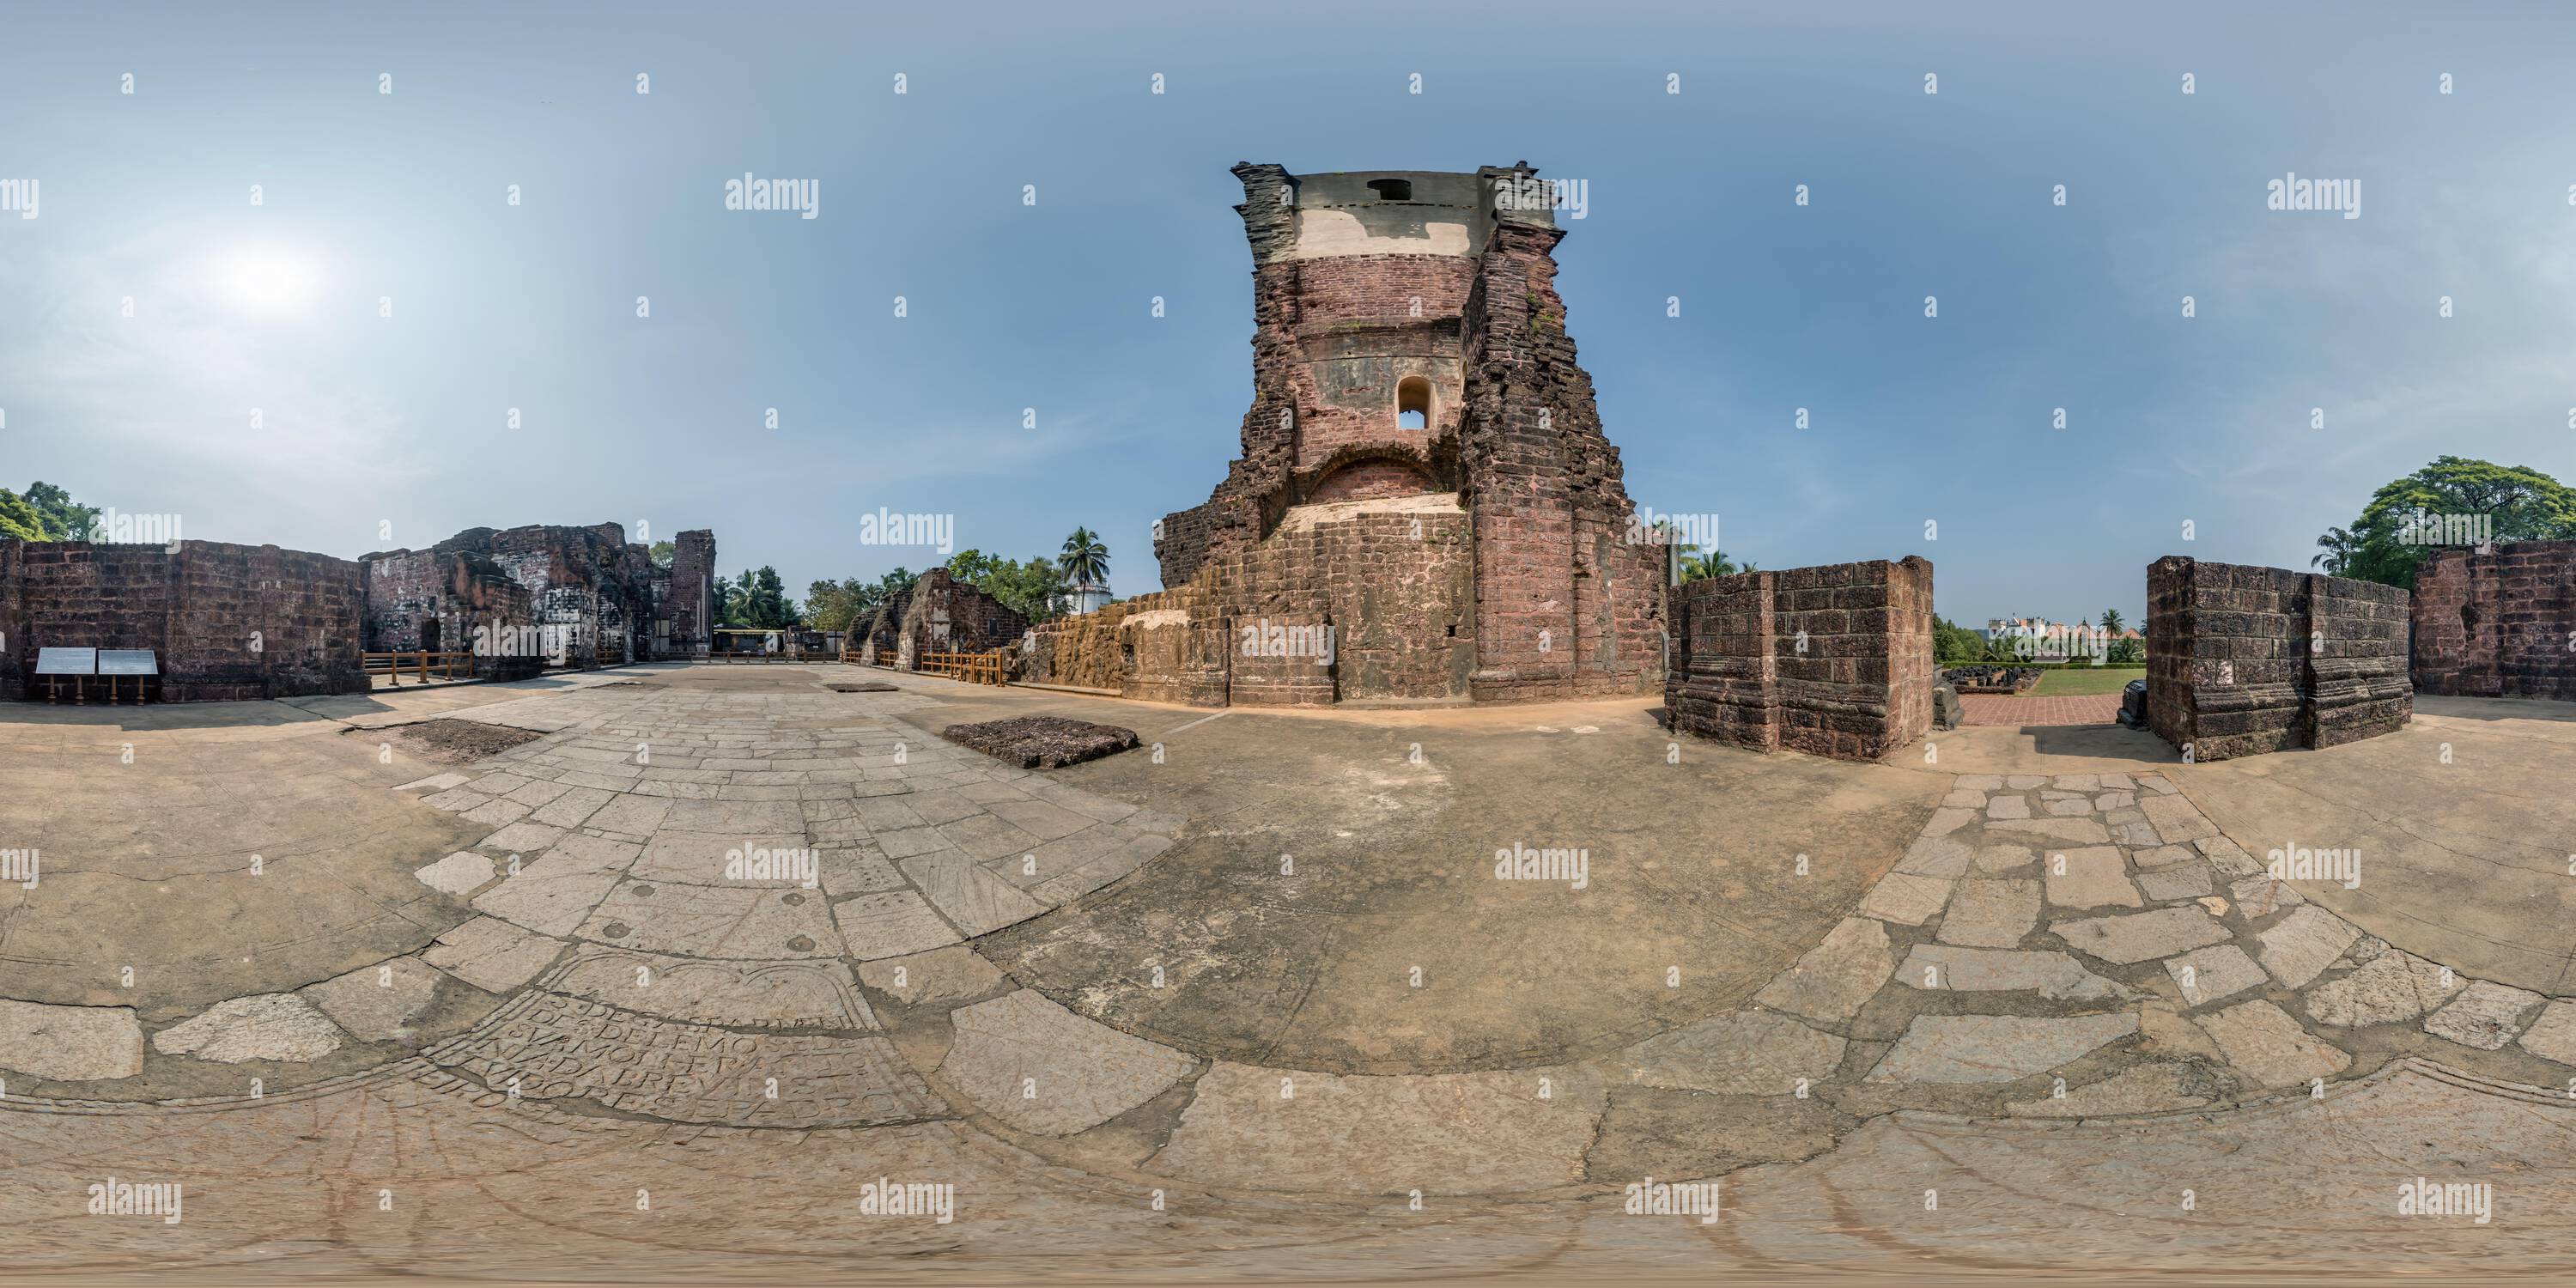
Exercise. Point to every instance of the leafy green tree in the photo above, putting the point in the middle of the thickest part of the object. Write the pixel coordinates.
(1035, 589)
(46, 513)
(756, 600)
(834, 605)
(664, 554)
(2338, 549)
(1953, 643)
(19, 519)
(1084, 560)
(2523, 504)
(898, 582)
(67, 519)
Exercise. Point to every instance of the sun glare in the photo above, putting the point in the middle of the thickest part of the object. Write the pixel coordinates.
(267, 281)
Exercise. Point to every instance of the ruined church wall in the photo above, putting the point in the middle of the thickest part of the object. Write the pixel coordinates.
(2499, 623)
(451, 601)
(944, 615)
(227, 622)
(13, 626)
(1570, 599)
(685, 607)
(2245, 660)
(1392, 582)
(1834, 660)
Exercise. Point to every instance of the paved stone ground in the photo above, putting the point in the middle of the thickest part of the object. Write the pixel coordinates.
(2058, 1018)
(2000, 709)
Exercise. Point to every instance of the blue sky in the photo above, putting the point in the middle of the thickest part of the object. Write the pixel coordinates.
(367, 420)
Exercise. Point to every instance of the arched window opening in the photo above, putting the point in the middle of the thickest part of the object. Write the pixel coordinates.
(1413, 403)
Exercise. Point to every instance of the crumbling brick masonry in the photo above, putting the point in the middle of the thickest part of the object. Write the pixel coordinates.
(1426, 506)
(685, 610)
(450, 600)
(2498, 623)
(226, 622)
(584, 596)
(940, 614)
(1832, 661)
(2244, 660)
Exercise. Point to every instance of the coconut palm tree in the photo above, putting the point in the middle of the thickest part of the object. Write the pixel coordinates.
(1713, 564)
(1085, 560)
(2112, 622)
(2341, 548)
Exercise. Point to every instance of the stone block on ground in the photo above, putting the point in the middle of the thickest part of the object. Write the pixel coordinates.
(1041, 742)
(2486, 1015)
(70, 1043)
(1995, 1048)
(263, 1026)
(2143, 936)
(2267, 1045)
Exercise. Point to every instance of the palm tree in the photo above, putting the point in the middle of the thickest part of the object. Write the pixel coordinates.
(2112, 622)
(2341, 548)
(1085, 560)
(1713, 564)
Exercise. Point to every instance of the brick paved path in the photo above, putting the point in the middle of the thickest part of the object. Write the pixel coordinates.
(1994, 709)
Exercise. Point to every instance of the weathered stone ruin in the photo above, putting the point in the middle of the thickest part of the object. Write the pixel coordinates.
(685, 611)
(231, 623)
(225, 622)
(1426, 507)
(940, 614)
(529, 598)
(2498, 622)
(448, 599)
(1832, 661)
(2244, 660)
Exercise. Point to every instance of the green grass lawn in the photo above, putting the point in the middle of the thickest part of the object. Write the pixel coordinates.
(2076, 681)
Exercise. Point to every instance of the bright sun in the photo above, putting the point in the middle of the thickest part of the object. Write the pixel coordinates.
(267, 281)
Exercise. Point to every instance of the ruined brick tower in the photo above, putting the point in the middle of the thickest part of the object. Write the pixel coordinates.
(1423, 471)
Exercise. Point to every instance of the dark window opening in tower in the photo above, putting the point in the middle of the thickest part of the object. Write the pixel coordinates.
(1413, 403)
(1392, 189)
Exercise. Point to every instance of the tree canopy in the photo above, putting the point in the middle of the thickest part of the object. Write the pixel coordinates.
(45, 513)
(2523, 503)
(847, 605)
(757, 600)
(1036, 589)
(1084, 560)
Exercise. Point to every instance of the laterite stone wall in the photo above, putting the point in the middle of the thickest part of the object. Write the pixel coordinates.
(2246, 660)
(228, 622)
(2498, 623)
(1833, 660)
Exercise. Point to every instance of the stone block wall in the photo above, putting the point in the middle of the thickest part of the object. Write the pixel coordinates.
(13, 625)
(228, 622)
(452, 600)
(2246, 660)
(303, 608)
(1366, 285)
(1400, 594)
(588, 591)
(1362, 599)
(2497, 623)
(1833, 660)
(1569, 604)
(1080, 650)
(941, 614)
(685, 609)
(2359, 686)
